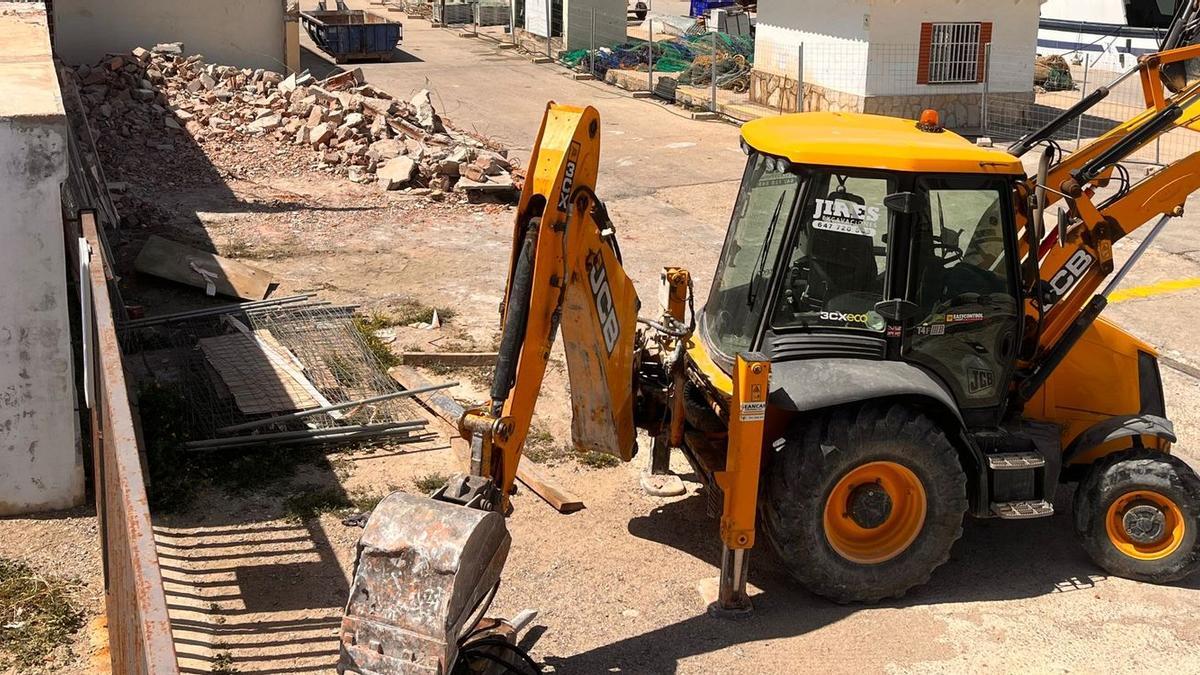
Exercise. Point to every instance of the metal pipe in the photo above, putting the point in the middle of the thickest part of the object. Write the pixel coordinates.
(253, 424)
(987, 86)
(332, 432)
(800, 78)
(400, 435)
(1136, 255)
(650, 50)
(1087, 62)
(214, 311)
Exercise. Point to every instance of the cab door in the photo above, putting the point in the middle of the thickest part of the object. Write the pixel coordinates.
(962, 275)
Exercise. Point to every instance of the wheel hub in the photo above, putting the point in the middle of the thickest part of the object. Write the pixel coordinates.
(870, 506)
(1144, 523)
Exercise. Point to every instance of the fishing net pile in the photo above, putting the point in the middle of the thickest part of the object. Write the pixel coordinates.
(691, 56)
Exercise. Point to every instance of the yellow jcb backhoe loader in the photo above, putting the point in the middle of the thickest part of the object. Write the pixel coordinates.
(892, 341)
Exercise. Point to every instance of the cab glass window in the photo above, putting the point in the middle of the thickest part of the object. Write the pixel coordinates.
(961, 279)
(743, 278)
(834, 274)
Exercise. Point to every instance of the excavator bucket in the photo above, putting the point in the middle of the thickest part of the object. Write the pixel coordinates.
(423, 569)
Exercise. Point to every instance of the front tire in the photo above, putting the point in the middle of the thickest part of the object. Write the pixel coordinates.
(1137, 514)
(862, 504)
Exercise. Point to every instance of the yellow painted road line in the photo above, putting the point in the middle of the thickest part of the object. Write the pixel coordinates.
(1161, 288)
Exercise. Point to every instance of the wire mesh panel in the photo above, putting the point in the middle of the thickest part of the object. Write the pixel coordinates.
(245, 366)
(1061, 83)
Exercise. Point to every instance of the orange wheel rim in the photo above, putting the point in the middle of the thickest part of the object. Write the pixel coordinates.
(1145, 525)
(874, 535)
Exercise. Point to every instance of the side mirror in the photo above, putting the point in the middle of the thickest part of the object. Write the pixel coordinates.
(898, 310)
(903, 202)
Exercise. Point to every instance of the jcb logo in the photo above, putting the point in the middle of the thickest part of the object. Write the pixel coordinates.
(979, 380)
(1066, 278)
(564, 197)
(610, 328)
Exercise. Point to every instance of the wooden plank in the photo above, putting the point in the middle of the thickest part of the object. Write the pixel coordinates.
(450, 359)
(528, 472)
(176, 262)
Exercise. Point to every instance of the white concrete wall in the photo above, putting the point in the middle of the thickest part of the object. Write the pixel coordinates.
(611, 23)
(40, 463)
(834, 35)
(896, 33)
(870, 47)
(243, 33)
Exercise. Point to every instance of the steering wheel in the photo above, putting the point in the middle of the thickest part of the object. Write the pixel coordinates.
(950, 253)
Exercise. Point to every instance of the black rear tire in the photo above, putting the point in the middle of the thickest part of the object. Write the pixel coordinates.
(1109, 488)
(808, 464)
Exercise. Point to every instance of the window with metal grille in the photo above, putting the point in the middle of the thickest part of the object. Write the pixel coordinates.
(953, 53)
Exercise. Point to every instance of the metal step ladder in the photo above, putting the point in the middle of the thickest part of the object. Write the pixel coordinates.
(1023, 510)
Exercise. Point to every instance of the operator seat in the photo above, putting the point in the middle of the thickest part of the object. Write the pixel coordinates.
(840, 263)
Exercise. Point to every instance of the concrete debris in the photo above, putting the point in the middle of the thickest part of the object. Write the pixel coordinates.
(427, 117)
(396, 173)
(160, 96)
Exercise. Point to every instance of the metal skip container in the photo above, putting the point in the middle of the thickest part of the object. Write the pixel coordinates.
(348, 34)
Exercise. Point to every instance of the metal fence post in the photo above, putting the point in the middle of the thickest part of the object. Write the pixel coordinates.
(549, 27)
(987, 85)
(1087, 66)
(512, 21)
(475, 17)
(800, 78)
(713, 106)
(592, 44)
(650, 51)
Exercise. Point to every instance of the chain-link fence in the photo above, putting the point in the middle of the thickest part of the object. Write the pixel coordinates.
(978, 87)
(1063, 83)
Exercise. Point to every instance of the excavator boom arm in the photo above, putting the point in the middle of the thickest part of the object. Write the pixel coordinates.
(565, 272)
(1074, 261)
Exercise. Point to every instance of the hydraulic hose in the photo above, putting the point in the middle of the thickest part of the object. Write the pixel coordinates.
(516, 317)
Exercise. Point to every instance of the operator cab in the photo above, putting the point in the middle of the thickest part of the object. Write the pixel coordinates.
(866, 237)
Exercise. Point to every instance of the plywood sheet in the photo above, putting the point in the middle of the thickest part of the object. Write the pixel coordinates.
(174, 261)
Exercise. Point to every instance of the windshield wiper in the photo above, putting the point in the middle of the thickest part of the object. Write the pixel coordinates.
(761, 263)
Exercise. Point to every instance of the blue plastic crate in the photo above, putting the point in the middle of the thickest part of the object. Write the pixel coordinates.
(701, 7)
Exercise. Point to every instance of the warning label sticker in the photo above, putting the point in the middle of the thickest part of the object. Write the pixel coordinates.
(754, 411)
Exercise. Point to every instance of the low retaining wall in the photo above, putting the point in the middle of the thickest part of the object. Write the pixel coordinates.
(958, 111)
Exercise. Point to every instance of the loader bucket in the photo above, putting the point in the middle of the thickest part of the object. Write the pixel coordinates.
(422, 569)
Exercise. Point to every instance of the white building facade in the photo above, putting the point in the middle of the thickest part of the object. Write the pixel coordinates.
(894, 57)
(571, 24)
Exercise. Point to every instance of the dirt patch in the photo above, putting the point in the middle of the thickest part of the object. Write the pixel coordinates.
(56, 557)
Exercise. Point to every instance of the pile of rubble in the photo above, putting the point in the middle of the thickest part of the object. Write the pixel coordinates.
(350, 126)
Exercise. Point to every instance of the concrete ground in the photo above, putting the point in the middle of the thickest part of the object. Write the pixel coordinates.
(616, 583)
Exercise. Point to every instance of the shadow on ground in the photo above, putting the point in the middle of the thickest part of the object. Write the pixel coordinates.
(994, 560)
